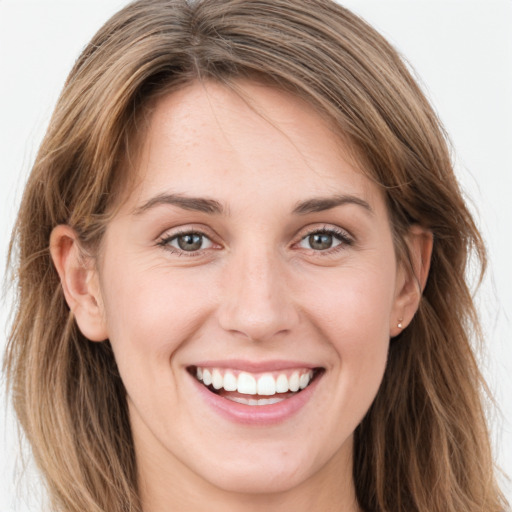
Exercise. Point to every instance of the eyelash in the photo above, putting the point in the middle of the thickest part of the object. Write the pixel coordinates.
(342, 236)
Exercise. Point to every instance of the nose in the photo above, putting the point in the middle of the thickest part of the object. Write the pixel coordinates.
(256, 301)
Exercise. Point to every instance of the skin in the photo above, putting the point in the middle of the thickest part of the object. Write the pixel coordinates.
(256, 291)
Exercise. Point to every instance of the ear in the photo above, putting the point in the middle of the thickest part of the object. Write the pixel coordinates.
(411, 278)
(80, 282)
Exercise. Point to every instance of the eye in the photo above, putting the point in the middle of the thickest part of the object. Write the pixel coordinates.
(323, 240)
(187, 242)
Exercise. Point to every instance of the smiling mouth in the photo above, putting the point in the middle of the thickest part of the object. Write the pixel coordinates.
(255, 389)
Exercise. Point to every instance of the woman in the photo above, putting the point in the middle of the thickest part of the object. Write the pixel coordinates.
(241, 274)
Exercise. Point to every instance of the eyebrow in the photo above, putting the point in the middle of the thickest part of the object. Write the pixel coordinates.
(198, 204)
(211, 206)
(321, 204)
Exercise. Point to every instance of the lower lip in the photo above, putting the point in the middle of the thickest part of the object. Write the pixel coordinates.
(257, 414)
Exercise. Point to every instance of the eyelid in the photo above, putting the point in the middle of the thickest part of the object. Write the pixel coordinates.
(184, 229)
(325, 228)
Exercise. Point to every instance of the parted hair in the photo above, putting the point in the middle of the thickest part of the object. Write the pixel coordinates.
(424, 444)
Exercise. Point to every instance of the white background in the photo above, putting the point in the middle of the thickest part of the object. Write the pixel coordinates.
(461, 49)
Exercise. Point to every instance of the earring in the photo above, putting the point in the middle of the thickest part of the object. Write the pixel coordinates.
(400, 324)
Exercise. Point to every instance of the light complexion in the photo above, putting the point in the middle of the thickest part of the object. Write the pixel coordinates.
(252, 256)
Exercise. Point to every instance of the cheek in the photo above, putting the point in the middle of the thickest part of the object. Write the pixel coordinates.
(150, 312)
(352, 314)
(352, 303)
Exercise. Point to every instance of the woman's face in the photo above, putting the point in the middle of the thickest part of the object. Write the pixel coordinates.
(255, 255)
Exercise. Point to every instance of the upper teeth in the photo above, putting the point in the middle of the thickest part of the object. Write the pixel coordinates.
(249, 384)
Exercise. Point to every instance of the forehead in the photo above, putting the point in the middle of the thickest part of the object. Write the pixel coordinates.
(208, 140)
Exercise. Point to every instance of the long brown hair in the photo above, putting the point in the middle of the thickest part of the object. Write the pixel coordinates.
(423, 445)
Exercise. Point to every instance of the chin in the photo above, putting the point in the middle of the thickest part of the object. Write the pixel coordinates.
(256, 478)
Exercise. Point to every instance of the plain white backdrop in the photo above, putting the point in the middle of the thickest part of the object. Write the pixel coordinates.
(460, 49)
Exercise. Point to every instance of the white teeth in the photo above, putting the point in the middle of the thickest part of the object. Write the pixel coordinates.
(282, 384)
(207, 377)
(294, 382)
(246, 384)
(270, 401)
(266, 385)
(230, 382)
(304, 380)
(217, 379)
(252, 401)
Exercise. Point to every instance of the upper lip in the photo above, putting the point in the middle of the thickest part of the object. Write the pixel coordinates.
(255, 366)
